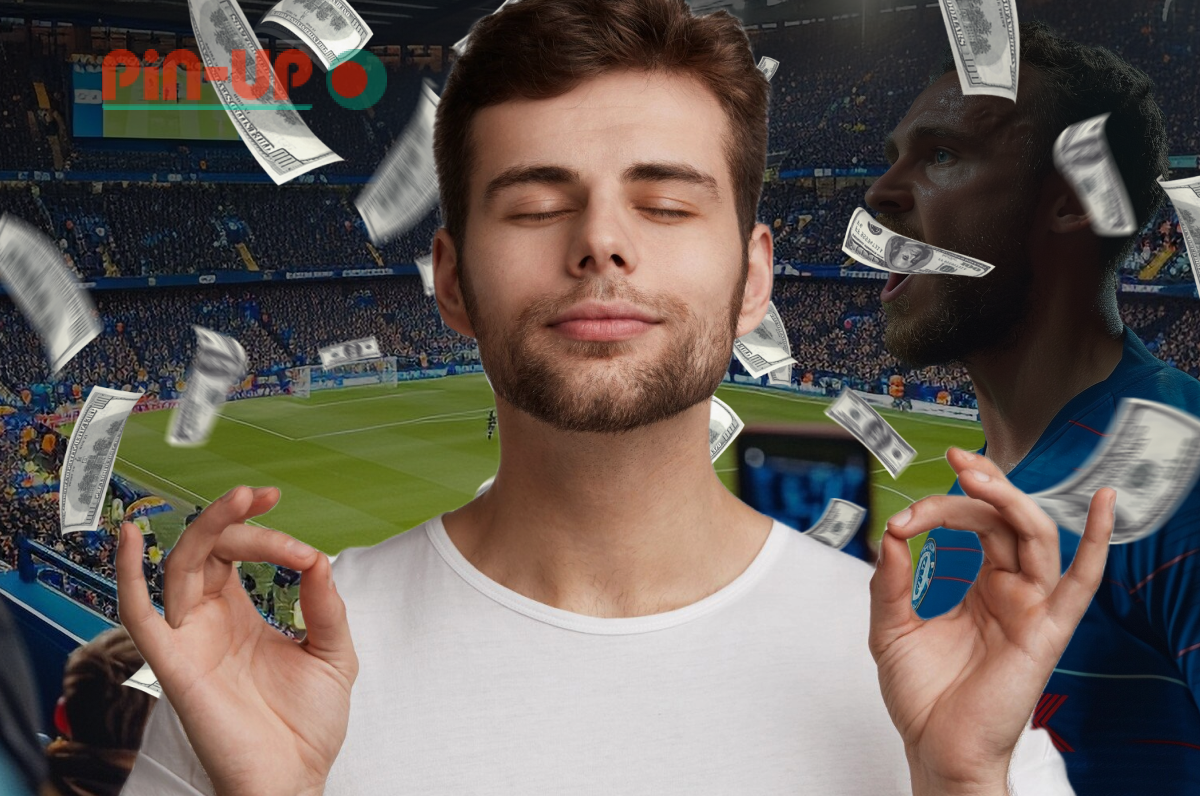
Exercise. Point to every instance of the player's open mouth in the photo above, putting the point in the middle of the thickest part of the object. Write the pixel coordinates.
(894, 286)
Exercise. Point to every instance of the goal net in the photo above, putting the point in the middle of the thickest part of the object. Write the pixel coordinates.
(311, 378)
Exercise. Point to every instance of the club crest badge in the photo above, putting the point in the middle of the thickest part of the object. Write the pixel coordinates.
(924, 574)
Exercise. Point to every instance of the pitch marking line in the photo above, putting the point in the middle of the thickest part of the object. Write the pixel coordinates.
(449, 417)
(370, 398)
(259, 428)
(174, 485)
(802, 399)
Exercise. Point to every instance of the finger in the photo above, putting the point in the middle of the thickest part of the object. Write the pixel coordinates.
(1075, 591)
(149, 631)
(1036, 534)
(241, 542)
(957, 512)
(892, 614)
(184, 572)
(328, 630)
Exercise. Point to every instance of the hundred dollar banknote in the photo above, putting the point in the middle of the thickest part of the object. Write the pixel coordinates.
(853, 413)
(217, 365)
(768, 66)
(327, 30)
(269, 124)
(780, 377)
(723, 427)
(874, 245)
(838, 523)
(91, 453)
(1083, 158)
(1150, 455)
(460, 46)
(335, 356)
(986, 44)
(767, 347)
(45, 291)
(404, 187)
(425, 269)
(145, 680)
(1185, 198)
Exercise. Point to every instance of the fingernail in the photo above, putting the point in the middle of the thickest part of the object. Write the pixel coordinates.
(900, 519)
(879, 560)
(329, 564)
(978, 476)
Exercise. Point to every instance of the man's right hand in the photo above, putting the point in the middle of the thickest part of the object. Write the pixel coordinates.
(265, 715)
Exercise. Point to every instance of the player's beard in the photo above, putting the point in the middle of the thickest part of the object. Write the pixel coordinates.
(965, 315)
(553, 381)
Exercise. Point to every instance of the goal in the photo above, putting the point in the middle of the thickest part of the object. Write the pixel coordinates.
(304, 381)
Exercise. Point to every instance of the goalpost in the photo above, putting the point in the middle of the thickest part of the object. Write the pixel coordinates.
(306, 380)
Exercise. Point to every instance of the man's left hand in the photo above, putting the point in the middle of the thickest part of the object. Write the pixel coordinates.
(961, 687)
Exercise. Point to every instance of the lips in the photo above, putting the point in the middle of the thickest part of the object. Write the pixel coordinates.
(894, 286)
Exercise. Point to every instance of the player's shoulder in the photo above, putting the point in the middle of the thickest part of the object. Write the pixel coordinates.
(1165, 384)
(393, 559)
(813, 568)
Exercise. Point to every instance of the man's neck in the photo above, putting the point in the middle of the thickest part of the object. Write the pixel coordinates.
(1060, 353)
(608, 525)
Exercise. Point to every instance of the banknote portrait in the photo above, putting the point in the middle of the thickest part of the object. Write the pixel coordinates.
(906, 255)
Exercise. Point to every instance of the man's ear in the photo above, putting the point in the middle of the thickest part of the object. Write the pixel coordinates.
(1067, 214)
(447, 284)
(760, 279)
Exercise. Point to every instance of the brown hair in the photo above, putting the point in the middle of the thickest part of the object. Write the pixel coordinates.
(541, 49)
(101, 711)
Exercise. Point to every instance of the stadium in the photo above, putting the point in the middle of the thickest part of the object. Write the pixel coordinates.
(169, 222)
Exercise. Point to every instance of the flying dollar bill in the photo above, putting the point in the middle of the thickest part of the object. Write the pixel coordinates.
(269, 125)
(1185, 198)
(781, 377)
(334, 356)
(145, 680)
(858, 417)
(217, 365)
(404, 187)
(327, 30)
(838, 523)
(460, 46)
(768, 66)
(874, 245)
(723, 427)
(986, 45)
(767, 347)
(1150, 455)
(45, 291)
(425, 269)
(1082, 157)
(91, 454)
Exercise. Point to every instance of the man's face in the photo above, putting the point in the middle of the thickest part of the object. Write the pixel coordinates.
(962, 178)
(640, 233)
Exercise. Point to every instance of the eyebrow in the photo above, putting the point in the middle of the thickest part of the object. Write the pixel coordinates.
(920, 131)
(646, 171)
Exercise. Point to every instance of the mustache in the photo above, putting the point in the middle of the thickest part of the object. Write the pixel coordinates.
(898, 225)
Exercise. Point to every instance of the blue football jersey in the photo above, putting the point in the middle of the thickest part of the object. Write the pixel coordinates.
(1122, 704)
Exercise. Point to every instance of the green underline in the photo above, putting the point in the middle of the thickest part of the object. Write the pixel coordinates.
(140, 106)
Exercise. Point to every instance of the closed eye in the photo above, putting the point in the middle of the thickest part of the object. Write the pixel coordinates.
(661, 211)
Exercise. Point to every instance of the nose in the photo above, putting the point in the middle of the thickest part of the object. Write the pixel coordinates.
(604, 242)
(891, 193)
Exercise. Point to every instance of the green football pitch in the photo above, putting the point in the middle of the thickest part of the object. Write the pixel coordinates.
(358, 465)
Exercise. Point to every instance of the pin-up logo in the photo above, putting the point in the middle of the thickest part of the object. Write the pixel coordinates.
(924, 574)
(357, 80)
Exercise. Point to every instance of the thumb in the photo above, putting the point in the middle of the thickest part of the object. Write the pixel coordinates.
(328, 631)
(892, 614)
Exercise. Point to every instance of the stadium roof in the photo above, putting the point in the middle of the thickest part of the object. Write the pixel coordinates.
(392, 21)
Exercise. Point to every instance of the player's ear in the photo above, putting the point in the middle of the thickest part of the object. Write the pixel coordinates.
(1067, 214)
(760, 277)
(447, 284)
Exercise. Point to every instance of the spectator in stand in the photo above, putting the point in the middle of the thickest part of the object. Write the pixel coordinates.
(99, 719)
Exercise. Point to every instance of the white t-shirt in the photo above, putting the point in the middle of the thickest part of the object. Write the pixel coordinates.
(466, 687)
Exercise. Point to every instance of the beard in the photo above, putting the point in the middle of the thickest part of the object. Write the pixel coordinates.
(553, 380)
(964, 316)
